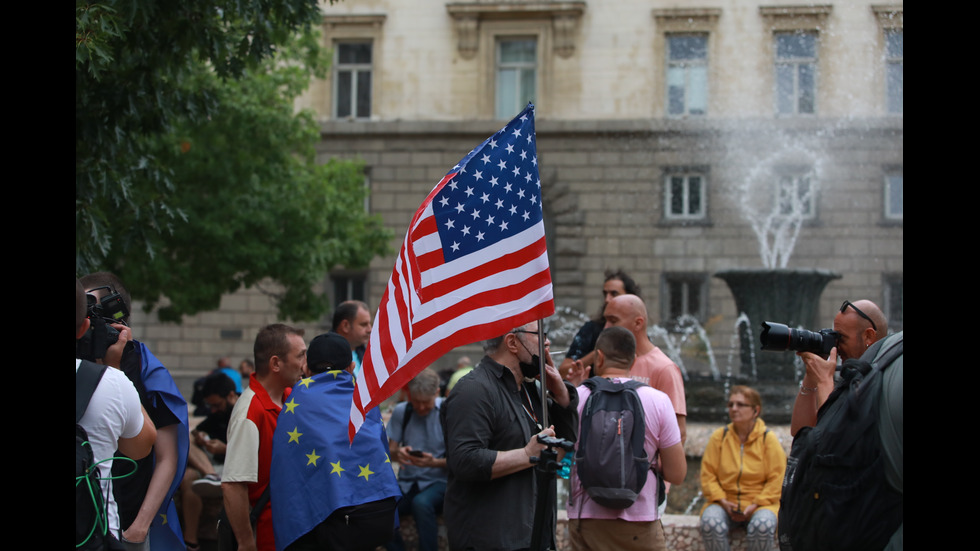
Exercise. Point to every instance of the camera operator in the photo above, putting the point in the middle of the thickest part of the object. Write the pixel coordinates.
(113, 420)
(148, 516)
(859, 325)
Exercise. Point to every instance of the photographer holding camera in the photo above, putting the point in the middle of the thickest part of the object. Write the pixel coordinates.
(148, 516)
(110, 418)
(858, 325)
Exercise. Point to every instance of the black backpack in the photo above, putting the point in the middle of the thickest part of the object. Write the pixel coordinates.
(91, 520)
(610, 460)
(835, 495)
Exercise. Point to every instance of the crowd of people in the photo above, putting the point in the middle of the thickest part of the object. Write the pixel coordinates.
(465, 443)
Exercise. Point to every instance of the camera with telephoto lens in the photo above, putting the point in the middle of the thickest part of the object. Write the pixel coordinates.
(101, 334)
(779, 337)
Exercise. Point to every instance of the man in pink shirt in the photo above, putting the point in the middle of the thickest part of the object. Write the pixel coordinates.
(652, 366)
(594, 527)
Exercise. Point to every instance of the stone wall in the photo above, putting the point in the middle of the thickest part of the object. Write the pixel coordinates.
(603, 188)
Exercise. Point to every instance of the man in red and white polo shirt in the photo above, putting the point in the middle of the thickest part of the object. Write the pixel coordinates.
(280, 360)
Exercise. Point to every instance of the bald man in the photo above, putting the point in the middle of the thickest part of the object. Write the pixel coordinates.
(859, 324)
(652, 366)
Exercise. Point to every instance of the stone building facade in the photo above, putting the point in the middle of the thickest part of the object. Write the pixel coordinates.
(660, 126)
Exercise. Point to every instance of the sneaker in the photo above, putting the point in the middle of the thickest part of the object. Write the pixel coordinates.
(209, 486)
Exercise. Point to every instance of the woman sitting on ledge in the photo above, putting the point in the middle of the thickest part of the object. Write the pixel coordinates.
(742, 476)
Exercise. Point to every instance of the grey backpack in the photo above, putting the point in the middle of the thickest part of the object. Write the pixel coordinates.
(610, 460)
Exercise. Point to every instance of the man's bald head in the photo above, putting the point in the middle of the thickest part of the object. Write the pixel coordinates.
(860, 324)
(877, 316)
(627, 311)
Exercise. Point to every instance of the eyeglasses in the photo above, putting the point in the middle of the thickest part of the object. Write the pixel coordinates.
(860, 313)
(738, 405)
(530, 332)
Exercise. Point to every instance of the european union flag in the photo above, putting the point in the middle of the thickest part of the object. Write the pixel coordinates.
(316, 469)
(165, 532)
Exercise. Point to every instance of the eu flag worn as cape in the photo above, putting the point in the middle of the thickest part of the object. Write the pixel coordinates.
(161, 391)
(473, 265)
(316, 469)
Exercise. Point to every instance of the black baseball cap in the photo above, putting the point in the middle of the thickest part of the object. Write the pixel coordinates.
(331, 349)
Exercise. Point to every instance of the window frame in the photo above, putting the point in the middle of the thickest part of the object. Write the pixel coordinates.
(686, 175)
(796, 19)
(520, 67)
(479, 26)
(891, 18)
(700, 281)
(889, 178)
(809, 215)
(797, 63)
(355, 69)
(684, 21)
(349, 280)
(686, 68)
(893, 288)
(350, 28)
(894, 61)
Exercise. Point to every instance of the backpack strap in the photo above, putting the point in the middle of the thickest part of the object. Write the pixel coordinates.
(87, 378)
(259, 505)
(896, 347)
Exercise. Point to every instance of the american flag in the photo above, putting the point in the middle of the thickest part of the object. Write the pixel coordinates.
(473, 266)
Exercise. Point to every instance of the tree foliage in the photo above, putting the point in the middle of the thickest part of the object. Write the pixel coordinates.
(193, 174)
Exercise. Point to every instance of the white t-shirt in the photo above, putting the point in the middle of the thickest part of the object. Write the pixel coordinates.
(113, 413)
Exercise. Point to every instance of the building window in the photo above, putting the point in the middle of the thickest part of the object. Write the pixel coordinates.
(687, 74)
(514, 46)
(684, 197)
(517, 63)
(796, 196)
(349, 286)
(683, 294)
(796, 72)
(894, 69)
(894, 285)
(894, 196)
(352, 80)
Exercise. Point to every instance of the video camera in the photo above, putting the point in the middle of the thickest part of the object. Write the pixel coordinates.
(779, 337)
(101, 335)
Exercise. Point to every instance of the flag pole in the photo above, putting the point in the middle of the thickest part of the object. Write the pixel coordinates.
(544, 376)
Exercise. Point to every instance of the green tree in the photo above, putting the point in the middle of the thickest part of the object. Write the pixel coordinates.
(194, 176)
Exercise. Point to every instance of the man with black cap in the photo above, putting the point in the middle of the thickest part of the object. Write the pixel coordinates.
(328, 491)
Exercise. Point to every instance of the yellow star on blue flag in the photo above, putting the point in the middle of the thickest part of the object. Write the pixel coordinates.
(365, 471)
(312, 457)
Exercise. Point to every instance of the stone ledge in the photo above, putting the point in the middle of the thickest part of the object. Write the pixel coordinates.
(681, 531)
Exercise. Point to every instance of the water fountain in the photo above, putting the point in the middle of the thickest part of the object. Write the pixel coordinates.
(776, 216)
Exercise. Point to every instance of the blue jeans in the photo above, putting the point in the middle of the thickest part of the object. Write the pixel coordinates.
(424, 506)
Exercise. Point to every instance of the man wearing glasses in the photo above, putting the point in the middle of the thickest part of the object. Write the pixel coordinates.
(859, 325)
(491, 420)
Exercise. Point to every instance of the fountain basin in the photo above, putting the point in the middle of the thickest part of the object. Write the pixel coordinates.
(788, 296)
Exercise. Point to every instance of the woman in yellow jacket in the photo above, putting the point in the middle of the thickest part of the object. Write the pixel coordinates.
(742, 476)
